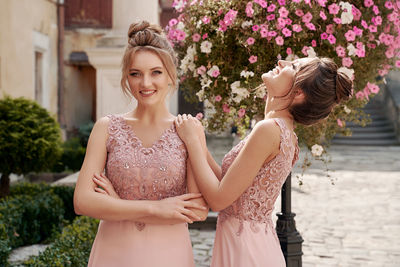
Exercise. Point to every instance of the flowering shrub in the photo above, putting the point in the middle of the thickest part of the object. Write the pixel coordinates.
(225, 46)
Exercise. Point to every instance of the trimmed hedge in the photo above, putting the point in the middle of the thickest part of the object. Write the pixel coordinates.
(72, 248)
(33, 213)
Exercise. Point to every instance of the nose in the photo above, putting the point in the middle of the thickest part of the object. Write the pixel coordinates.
(282, 63)
(146, 81)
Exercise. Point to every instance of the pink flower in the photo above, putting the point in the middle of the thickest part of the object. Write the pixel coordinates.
(310, 26)
(262, 3)
(272, 34)
(201, 70)
(360, 45)
(241, 112)
(368, 3)
(388, 5)
(324, 36)
(281, 23)
(313, 43)
(173, 22)
(196, 37)
(252, 59)
(288, 21)
(289, 52)
(332, 39)
(340, 123)
(283, 12)
(322, 15)
(206, 20)
(271, 8)
(282, 2)
(360, 95)
(357, 31)
(299, 12)
(307, 17)
(249, 9)
(199, 116)
(364, 24)
(397, 64)
(226, 108)
(255, 28)
(181, 35)
(205, 36)
(322, 2)
(372, 28)
(287, 32)
(305, 50)
(373, 88)
(360, 52)
(264, 32)
(377, 20)
(375, 9)
(341, 51)
(333, 9)
(371, 45)
(271, 17)
(297, 28)
(350, 35)
(389, 53)
(347, 62)
(329, 29)
(218, 98)
(250, 40)
(279, 40)
(356, 13)
(215, 73)
(337, 20)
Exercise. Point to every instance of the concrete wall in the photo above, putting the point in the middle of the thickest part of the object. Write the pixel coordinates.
(27, 26)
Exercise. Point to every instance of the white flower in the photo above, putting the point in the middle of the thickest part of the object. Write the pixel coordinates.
(291, 57)
(205, 47)
(346, 109)
(246, 74)
(205, 82)
(247, 23)
(188, 61)
(260, 92)
(200, 95)
(239, 92)
(352, 49)
(198, 24)
(348, 72)
(347, 14)
(213, 68)
(179, 4)
(180, 26)
(316, 150)
(311, 52)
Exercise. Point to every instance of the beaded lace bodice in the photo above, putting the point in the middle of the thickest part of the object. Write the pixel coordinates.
(139, 172)
(256, 204)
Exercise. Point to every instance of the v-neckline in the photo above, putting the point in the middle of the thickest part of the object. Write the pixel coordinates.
(132, 132)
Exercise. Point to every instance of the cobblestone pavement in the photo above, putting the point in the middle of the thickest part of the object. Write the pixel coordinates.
(355, 222)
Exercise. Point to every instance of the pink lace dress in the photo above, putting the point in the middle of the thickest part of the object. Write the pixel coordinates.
(139, 173)
(245, 233)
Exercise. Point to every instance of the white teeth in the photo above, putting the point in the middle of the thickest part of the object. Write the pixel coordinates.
(147, 92)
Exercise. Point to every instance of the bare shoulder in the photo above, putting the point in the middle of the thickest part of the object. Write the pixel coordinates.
(266, 133)
(100, 128)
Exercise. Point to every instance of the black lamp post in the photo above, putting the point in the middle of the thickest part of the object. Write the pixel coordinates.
(289, 237)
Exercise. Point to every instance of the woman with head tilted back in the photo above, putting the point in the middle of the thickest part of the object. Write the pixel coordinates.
(253, 172)
(148, 194)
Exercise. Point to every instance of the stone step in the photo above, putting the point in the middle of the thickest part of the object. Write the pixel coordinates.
(369, 135)
(366, 142)
(371, 129)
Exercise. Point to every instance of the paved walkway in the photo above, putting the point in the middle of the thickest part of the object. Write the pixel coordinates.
(355, 222)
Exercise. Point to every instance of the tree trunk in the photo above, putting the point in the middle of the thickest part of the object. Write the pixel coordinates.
(4, 185)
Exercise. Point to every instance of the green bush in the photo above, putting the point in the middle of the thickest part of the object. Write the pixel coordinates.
(65, 193)
(30, 139)
(26, 219)
(72, 248)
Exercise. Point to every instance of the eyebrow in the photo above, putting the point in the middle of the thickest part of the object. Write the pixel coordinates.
(157, 67)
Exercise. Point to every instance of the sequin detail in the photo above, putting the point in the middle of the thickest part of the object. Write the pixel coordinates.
(256, 204)
(145, 173)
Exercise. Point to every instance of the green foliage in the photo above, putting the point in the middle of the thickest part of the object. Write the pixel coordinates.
(26, 220)
(72, 157)
(72, 248)
(30, 139)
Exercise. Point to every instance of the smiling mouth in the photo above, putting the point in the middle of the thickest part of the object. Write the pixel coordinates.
(147, 93)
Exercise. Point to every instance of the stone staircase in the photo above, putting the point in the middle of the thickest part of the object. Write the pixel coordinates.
(380, 132)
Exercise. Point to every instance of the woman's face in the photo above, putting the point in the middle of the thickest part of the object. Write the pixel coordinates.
(279, 80)
(148, 79)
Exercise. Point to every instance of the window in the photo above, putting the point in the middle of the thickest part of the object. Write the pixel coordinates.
(39, 77)
(88, 14)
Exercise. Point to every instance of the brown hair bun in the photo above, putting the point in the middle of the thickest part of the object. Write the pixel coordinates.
(142, 33)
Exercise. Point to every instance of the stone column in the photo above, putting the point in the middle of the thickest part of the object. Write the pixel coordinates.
(107, 55)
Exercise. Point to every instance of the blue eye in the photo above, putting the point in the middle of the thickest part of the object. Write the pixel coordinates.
(157, 72)
(134, 74)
